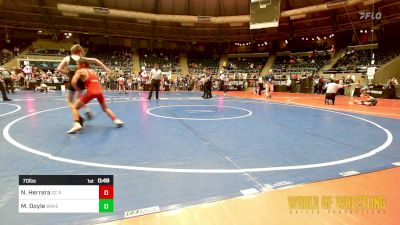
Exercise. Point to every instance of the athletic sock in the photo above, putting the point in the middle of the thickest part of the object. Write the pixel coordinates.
(81, 120)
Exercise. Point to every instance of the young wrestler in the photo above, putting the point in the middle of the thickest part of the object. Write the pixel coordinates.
(69, 65)
(93, 87)
(366, 100)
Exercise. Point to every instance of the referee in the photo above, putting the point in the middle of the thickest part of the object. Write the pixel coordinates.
(156, 79)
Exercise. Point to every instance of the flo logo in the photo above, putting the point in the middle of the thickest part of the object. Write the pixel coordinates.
(370, 15)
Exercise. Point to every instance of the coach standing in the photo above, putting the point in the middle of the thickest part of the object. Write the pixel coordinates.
(156, 80)
(222, 81)
(8, 82)
(269, 84)
(260, 84)
(3, 89)
(207, 84)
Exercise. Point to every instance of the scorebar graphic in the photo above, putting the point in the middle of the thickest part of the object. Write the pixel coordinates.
(66, 194)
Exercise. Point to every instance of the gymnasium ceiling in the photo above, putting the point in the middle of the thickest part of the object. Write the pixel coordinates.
(44, 15)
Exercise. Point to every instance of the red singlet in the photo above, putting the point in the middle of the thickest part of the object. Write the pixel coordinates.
(93, 88)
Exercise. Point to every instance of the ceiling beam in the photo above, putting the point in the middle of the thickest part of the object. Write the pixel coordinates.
(236, 8)
(334, 23)
(66, 19)
(188, 7)
(172, 37)
(156, 10)
(186, 29)
(290, 22)
(219, 6)
(48, 19)
(105, 25)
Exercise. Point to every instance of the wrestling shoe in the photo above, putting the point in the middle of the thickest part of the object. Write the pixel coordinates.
(77, 126)
(118, 122)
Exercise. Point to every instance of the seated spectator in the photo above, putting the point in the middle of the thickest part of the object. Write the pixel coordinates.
(394, 81)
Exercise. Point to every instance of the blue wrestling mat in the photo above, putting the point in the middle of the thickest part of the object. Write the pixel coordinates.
(184, 150)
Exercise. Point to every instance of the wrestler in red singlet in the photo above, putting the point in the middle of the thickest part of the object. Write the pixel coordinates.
(93, 90)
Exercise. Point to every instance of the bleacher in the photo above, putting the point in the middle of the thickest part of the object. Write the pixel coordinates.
(116, 58)
(5, 56)
(8, 50)
(167, 60)
(197, 62)
(303, 63)
(49, 52)
(246, 64)
(358, 60)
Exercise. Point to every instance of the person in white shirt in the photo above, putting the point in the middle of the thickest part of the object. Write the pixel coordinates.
(121, 84)
(221, 82)
(288, 84)
(394, 81)
(28, 74)
(226, 85)
(143, 76)
(331, 90)
(156, 80)
(260, 84)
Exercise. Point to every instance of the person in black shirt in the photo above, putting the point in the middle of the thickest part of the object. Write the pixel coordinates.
(207, 85)
(8, 82)
(3, 89)
(321, 84)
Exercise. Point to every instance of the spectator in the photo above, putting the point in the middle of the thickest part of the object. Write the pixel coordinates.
(288, 84)
(298, 83)
(349, 90)
(260, 84)
(16, 51)
(391, 90)
(394, 81)
(321, 84)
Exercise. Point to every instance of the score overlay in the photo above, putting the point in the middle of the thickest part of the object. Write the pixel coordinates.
(66, 194)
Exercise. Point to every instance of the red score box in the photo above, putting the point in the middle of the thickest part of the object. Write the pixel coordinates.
(106, 192)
